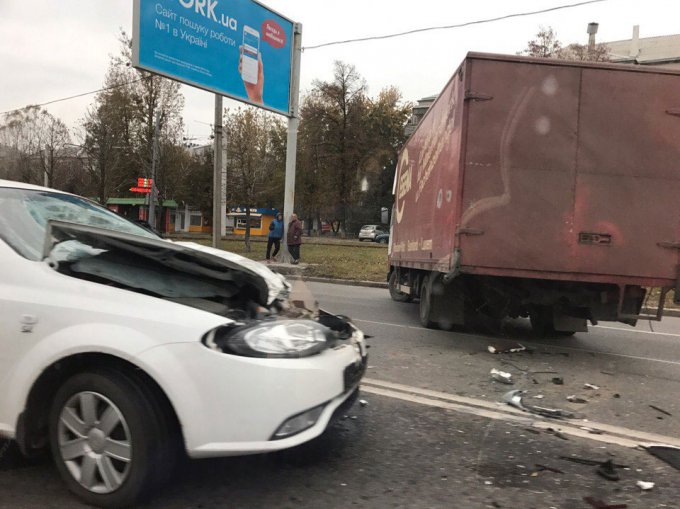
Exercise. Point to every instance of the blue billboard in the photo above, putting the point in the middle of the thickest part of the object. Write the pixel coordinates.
(236, 48)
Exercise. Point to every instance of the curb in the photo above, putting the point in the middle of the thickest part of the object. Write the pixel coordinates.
(346, 282)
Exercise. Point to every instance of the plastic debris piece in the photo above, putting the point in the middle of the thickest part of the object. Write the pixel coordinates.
(576, 399)
(668, 453)
(617, 396)
(610, 373)
(514, 398)
(558, 380)
(608, 471)
(589, 462)
(353, 417)
(501, 376)
(592, 431)
(506, 348)
(644, 485)
(591, 387)
(539, 396)
(542, 468)
(363, 402)
(661, 410)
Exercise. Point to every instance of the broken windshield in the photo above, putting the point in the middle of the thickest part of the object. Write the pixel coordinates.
(24, 215)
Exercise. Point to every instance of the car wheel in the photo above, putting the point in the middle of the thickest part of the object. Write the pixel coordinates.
(105, 438)
(395, 293)
(382, 241)
(426, 303)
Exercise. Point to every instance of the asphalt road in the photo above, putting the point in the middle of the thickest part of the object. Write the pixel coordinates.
(434, 433)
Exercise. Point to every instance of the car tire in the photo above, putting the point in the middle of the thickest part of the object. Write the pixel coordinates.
(107, 438)
(425, 309)
(395, 293)
(382, 241)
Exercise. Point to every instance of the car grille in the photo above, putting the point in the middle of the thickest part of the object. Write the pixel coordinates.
(354, 372)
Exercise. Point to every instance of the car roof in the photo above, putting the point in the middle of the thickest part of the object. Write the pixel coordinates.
(22, 185)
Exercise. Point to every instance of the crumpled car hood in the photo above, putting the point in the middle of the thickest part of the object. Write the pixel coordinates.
(182, 257)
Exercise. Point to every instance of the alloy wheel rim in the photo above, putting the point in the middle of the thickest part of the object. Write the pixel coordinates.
(94, 442)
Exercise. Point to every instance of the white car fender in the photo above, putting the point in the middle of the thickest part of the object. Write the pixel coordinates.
(116, 340)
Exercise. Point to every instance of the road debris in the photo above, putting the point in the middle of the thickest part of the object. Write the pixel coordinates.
(557, 433)
(608, 471)
(668, 453)
(514, 398)
(363, 402)
(506, 348)
(589, 462)
(661, 410)
(610, 373)
(545, 468)
(538, 396)
(576, 399)
(592, 431)
(617, 396)
(501, 376)
(558, 380)
(599, 504)
(591, 387)
(644, 485)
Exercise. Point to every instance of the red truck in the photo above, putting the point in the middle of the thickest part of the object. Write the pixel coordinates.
(541, 188)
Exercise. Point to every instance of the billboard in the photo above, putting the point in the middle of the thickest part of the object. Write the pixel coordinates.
(236, 48)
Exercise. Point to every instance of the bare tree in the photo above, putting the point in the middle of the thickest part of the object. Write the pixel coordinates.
(253, 137)
(547, 45)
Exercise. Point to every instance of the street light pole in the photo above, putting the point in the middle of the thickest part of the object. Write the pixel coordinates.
(217, 175)
(154, 156)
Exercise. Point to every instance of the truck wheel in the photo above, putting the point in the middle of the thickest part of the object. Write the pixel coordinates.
(105, 438)
(542, 323)
(397, 296)
(426, 303)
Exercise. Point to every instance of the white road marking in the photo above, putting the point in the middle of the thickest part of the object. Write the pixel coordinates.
(554, 346)
(638, 331)
(609, 434)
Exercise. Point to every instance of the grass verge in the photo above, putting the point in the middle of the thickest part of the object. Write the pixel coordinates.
(353, 262)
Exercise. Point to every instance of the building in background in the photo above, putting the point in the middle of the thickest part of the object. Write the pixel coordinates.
(260, 219)
(663, 50)
(418, 112)
(137, 209)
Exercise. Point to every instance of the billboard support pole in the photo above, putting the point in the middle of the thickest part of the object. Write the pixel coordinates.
(291, 144)
(217, 175)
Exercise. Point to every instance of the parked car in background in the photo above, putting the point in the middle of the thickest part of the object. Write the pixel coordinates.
(382, 238)
(369, 231)
(120, 350)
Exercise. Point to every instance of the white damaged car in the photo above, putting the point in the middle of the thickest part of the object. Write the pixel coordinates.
(119, 349)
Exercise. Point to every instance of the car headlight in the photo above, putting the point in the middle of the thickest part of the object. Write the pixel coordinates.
(272, 339)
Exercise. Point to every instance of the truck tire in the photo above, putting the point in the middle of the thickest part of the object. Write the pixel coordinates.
(395, 293)
(542, 323)
(426, 307)
(106, 465)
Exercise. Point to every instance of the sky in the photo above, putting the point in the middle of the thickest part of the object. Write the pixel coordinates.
(53, 49)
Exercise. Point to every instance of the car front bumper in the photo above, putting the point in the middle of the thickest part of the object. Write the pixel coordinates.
(229, 405)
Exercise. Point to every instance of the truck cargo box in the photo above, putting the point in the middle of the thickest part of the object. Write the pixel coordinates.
(544, 169)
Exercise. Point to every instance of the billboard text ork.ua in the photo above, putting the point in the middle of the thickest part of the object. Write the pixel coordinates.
(237, 48)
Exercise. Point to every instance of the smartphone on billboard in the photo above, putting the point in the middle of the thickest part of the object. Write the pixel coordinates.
(251, 53)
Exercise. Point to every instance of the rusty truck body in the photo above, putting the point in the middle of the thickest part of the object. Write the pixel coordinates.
(541, 188)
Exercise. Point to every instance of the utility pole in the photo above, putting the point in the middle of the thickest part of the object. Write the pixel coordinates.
(154, 157)
(217, 175)
(291, 144)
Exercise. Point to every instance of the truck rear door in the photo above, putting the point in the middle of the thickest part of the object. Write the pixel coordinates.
(520, 158)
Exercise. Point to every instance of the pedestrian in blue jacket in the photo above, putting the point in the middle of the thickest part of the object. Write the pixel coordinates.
(275, 236)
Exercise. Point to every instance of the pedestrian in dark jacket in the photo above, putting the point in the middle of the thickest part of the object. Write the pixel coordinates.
(294, 237)
(275, 236)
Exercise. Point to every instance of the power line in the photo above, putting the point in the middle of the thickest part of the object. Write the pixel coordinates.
(446, 27)
(76, 96)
